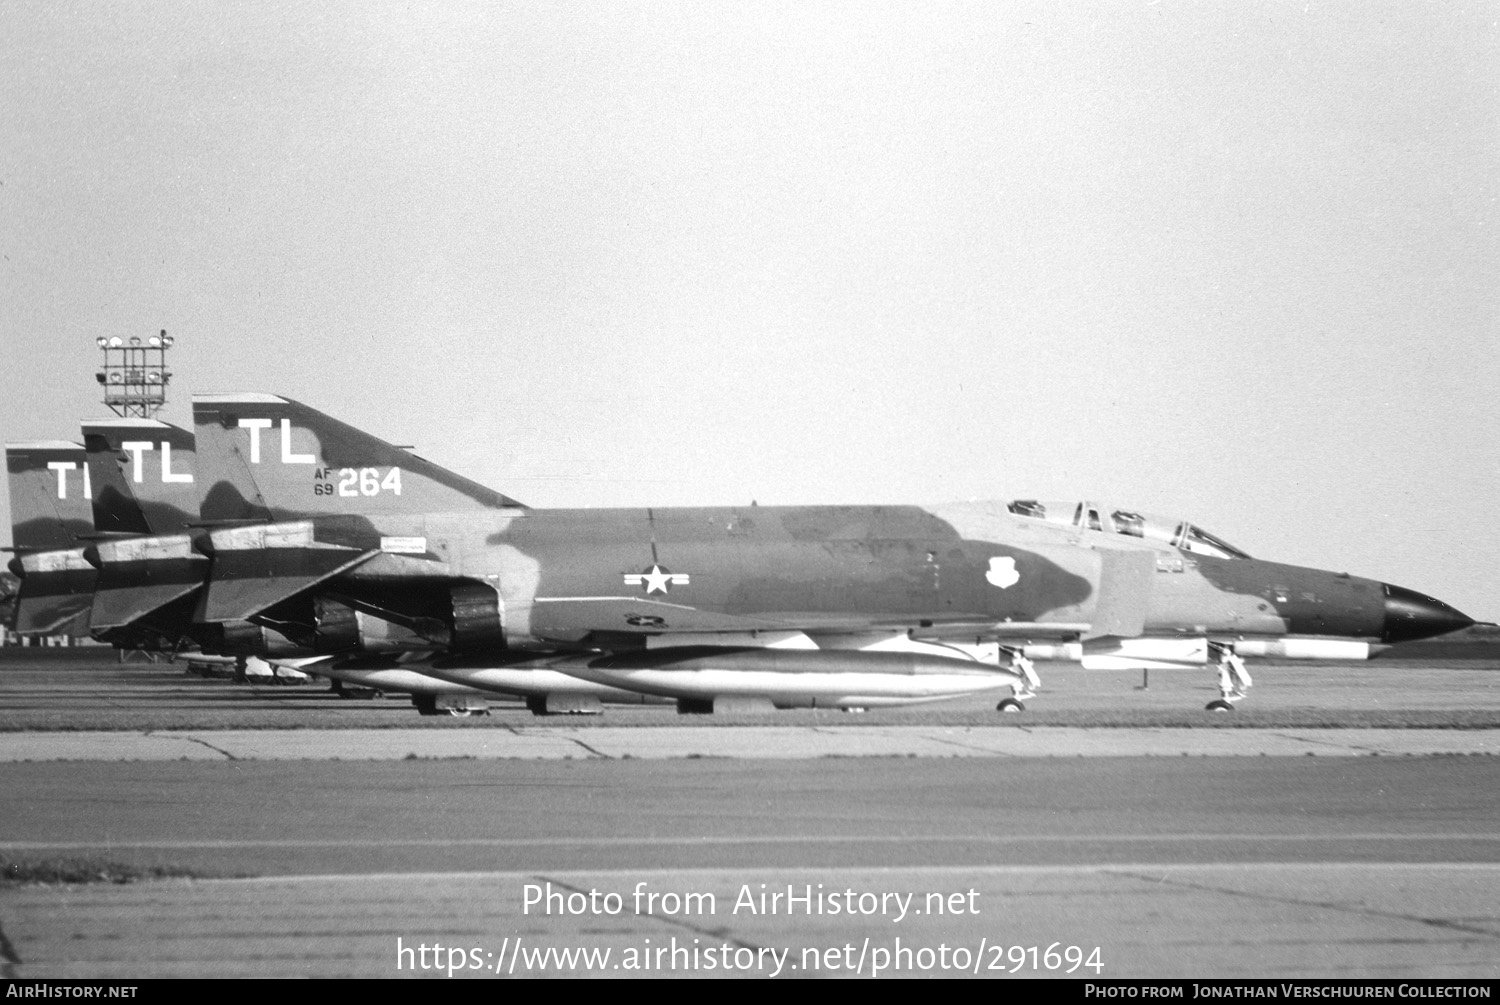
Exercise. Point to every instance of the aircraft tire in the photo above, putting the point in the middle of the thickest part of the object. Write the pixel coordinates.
(1010, 705)
(1219, 705)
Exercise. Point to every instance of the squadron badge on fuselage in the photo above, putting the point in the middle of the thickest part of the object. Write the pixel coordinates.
(1003, 572)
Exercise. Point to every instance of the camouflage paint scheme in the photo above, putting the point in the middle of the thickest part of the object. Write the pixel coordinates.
(142, 472)
(460, 565)
(313, 536)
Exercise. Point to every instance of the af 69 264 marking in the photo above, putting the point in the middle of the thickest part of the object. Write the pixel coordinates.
(351, 482)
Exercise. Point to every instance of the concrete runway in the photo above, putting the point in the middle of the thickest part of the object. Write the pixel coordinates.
(1246, 858)
(556, 742)
(83, 690)
(1148, 920)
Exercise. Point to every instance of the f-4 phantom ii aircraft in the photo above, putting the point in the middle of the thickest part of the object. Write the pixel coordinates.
(345, 544)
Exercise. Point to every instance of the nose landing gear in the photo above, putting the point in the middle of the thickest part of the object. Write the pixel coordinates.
(1023, 689)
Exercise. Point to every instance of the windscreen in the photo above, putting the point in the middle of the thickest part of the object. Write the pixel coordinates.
(1129, 523)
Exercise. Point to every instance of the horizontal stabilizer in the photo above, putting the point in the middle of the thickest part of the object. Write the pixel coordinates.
(243, 583)
(121, 607)
(132, 585)
(57, 614)
(56, 588)
(256, 567)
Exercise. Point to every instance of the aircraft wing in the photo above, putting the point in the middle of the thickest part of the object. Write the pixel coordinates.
(576, 619)
(573, 619)
(1004, 631)
(244, 584)
(257, 566)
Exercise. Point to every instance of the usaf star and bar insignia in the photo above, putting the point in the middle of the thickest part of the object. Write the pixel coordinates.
(656, 579)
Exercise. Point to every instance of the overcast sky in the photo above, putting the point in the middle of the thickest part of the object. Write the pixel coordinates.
(1233, 262)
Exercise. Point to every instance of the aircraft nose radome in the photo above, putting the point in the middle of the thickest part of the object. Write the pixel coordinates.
(1411, 615)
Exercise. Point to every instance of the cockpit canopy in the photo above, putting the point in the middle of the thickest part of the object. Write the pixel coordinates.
(1094, 516)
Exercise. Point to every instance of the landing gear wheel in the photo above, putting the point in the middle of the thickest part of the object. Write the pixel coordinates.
(1010, 705)
(1219, 705)
(461, 713)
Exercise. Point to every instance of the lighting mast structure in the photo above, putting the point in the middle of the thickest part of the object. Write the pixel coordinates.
(135, 374)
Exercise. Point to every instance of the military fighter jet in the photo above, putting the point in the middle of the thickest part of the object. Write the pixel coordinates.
(380, 536)
(310, 520)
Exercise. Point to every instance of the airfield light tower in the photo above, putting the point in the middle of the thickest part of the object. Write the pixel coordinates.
(135, 374)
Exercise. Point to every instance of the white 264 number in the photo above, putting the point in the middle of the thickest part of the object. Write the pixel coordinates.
(349, 482)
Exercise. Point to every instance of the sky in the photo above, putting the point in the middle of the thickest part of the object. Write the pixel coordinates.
(1230, 262)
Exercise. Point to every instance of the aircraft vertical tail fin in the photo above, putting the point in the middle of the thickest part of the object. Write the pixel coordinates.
(49, 486)
(143, 476)
(50, 512)
(262, 457)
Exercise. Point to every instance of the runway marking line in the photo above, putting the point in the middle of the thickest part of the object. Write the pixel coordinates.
(781, 839)
(153, 734)
(1123, 870)
(1328, 905)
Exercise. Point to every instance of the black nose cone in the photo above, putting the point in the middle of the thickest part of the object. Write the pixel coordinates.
(1411, 615)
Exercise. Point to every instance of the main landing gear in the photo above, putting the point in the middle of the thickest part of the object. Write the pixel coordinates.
(445, 704)
(1023, 689)
(1234, 679)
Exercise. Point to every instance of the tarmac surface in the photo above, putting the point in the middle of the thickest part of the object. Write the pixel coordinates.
(1356, 833)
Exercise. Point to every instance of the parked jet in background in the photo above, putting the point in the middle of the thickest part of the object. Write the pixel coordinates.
(144, 504)
(50, 527)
